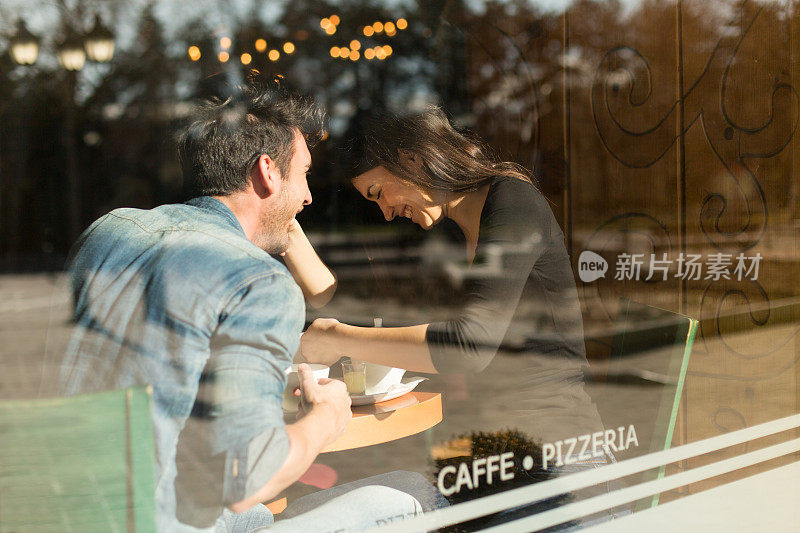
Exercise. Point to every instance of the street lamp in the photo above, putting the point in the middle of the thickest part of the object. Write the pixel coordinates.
(71, 54)
(99, 42)
(24, 45)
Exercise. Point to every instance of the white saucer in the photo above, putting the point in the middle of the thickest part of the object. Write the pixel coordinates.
(395, 391)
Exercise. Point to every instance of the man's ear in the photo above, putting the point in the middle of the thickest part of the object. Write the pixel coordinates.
(266, 176)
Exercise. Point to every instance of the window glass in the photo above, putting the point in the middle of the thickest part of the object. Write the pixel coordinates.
(571, 228)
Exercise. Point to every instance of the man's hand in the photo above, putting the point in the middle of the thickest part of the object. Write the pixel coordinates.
(328, 413)
(328, 395)
(320, 343)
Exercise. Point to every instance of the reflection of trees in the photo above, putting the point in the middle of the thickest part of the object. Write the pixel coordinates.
(124, 117)
(500, 70)
(133, 109)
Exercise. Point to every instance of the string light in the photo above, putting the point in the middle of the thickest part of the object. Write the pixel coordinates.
(274, 55)
(261, 45)
(344, 52)
(324, 23)
(369, 53)
(389, 27)
(334, 51)
(368, 31)
(387, 50)
(330, 30)
(225, 43)
(246, 58)
(377, 26)
(223, 57)
(402, 24)
(335, 20)
(288, 47)
(194, 53)
(354, 55)
(355, 45)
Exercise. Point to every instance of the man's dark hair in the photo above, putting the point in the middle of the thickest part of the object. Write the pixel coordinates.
(226, 137)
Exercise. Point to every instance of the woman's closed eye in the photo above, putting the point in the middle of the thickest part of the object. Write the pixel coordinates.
(373, 195)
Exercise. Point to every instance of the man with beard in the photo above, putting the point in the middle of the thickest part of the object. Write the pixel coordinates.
(188, 299)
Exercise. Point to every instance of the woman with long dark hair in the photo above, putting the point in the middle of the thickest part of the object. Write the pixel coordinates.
(420, 167)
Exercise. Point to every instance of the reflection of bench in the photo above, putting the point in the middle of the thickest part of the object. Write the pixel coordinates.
(83, 463)
(666, 339)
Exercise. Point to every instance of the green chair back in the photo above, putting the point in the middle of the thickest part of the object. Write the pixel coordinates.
(651, 348)
(82, 463)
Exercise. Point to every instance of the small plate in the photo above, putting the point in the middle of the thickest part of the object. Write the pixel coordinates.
(395, 391)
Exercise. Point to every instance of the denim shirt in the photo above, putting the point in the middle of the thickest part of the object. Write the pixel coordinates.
(178, 298)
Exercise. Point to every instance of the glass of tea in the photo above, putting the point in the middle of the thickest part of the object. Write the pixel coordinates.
(354, 373)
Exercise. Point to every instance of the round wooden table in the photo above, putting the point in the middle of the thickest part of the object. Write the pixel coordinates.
(382, 422)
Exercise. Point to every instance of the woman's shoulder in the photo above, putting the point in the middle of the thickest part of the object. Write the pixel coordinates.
(516, 199)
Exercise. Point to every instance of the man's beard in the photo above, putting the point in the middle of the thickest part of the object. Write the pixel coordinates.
(273, 235)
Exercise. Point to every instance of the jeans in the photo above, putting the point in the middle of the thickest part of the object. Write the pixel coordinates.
(351, 507)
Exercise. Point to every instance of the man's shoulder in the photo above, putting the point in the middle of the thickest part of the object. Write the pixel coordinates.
(163, 218)
(167, 217)
(181, 227)
(188, 245)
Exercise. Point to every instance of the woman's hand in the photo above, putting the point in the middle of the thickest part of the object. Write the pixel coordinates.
(326, 340)
(321, 343)
(295, 234)
(316, 280)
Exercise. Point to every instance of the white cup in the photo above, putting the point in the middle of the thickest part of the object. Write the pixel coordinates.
(293, 381)
(380, 378)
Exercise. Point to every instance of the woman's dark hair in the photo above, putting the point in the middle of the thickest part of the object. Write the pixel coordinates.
(451, 161)
(225, 137)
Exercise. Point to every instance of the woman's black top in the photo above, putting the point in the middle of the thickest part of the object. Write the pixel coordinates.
(520, 289)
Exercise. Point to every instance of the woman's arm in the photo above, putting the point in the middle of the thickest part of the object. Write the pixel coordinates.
(516, 225)
(327, 339)
(316, 280)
